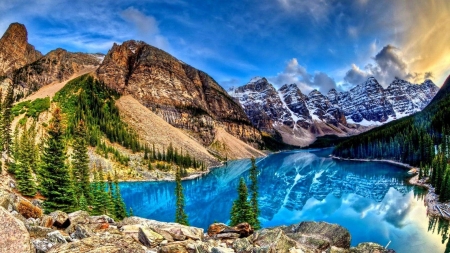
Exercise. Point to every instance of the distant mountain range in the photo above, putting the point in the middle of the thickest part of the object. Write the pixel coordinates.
(300, 118)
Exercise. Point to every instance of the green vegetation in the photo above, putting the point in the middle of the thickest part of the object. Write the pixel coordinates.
(171, 156)
(180, 216)
(80, 164)
(275, 143)
(56, 185)
(242, 210)
(254, 194)
(91, 101)
(412, 140)
(6, 138)
(25, 154)
(32, 108)
(327, 141)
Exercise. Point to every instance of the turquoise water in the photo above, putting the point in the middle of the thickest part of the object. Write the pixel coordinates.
(372, 200)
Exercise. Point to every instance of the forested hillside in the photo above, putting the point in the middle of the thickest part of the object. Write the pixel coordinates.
(419, 140)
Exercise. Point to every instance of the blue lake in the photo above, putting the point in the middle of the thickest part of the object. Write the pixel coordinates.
(372, 200)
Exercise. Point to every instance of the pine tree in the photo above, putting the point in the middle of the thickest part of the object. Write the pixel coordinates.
(6, 120)
(23, 163)
(242, 209)
(56, 185)
(121, 210)
(130, 212)
(254, 194)
(180, 216)
(82, 203)
(80, 163)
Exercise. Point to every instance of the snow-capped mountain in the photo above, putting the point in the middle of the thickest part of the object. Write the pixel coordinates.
(299, 118)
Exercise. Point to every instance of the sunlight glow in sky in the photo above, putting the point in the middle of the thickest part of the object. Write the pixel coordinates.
(316, 44)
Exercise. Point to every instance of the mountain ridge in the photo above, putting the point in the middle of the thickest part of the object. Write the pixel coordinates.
(341, 113)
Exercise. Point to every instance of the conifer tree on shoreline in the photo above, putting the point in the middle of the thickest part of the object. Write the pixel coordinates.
(254, 194)
(242, 211)
(180, 215)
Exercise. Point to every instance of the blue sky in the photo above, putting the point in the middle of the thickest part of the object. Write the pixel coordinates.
(316, 44)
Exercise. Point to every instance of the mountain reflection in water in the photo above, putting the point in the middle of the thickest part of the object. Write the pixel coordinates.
(372, 200)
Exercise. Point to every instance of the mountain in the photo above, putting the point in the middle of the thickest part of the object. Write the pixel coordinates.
(185, 97)
(136, 99)
(300, 118)
(55, 67)
(412, 139)
(29, 70)
(15, 51)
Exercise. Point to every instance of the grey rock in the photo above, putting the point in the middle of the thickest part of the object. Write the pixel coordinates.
(56, 237)
(80, 232)
(42, 245)
(222, 250)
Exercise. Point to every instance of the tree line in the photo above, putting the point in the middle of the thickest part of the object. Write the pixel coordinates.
(419, 140)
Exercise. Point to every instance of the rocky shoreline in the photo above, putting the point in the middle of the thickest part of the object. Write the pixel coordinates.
(26, 229)
(434, 207)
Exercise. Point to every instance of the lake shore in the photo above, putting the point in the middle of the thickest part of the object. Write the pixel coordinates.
(375, 160)
(434, 207)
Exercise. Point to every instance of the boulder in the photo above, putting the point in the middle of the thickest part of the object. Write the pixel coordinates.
(6, 200)
(56, 237)
(100, 219)
(335, 234)
(79, 217)
(81, 232)
(220, 230)
(174, 247)
(221, 250)
(177, 231)
(46, 221)
(32, 222)
(244, 229)
(38, 231)
(60, 219)
(101, 243)
(242, 245)
(42, 245)
(273, 240)
(368, 247)
(149, 237)
(14, 235)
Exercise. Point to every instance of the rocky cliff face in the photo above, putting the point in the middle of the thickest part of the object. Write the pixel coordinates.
(300, 118)
(297, 117)
(56, 66)
(15, 52)
(262, 104)
(185, 97)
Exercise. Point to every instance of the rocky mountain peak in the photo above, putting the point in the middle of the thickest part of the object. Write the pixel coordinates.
(257, 84)
(15, 34)
(183, 96)
(15, 51)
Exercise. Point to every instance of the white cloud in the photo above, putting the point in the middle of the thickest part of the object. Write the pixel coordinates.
(388, 64)
(296, 73)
